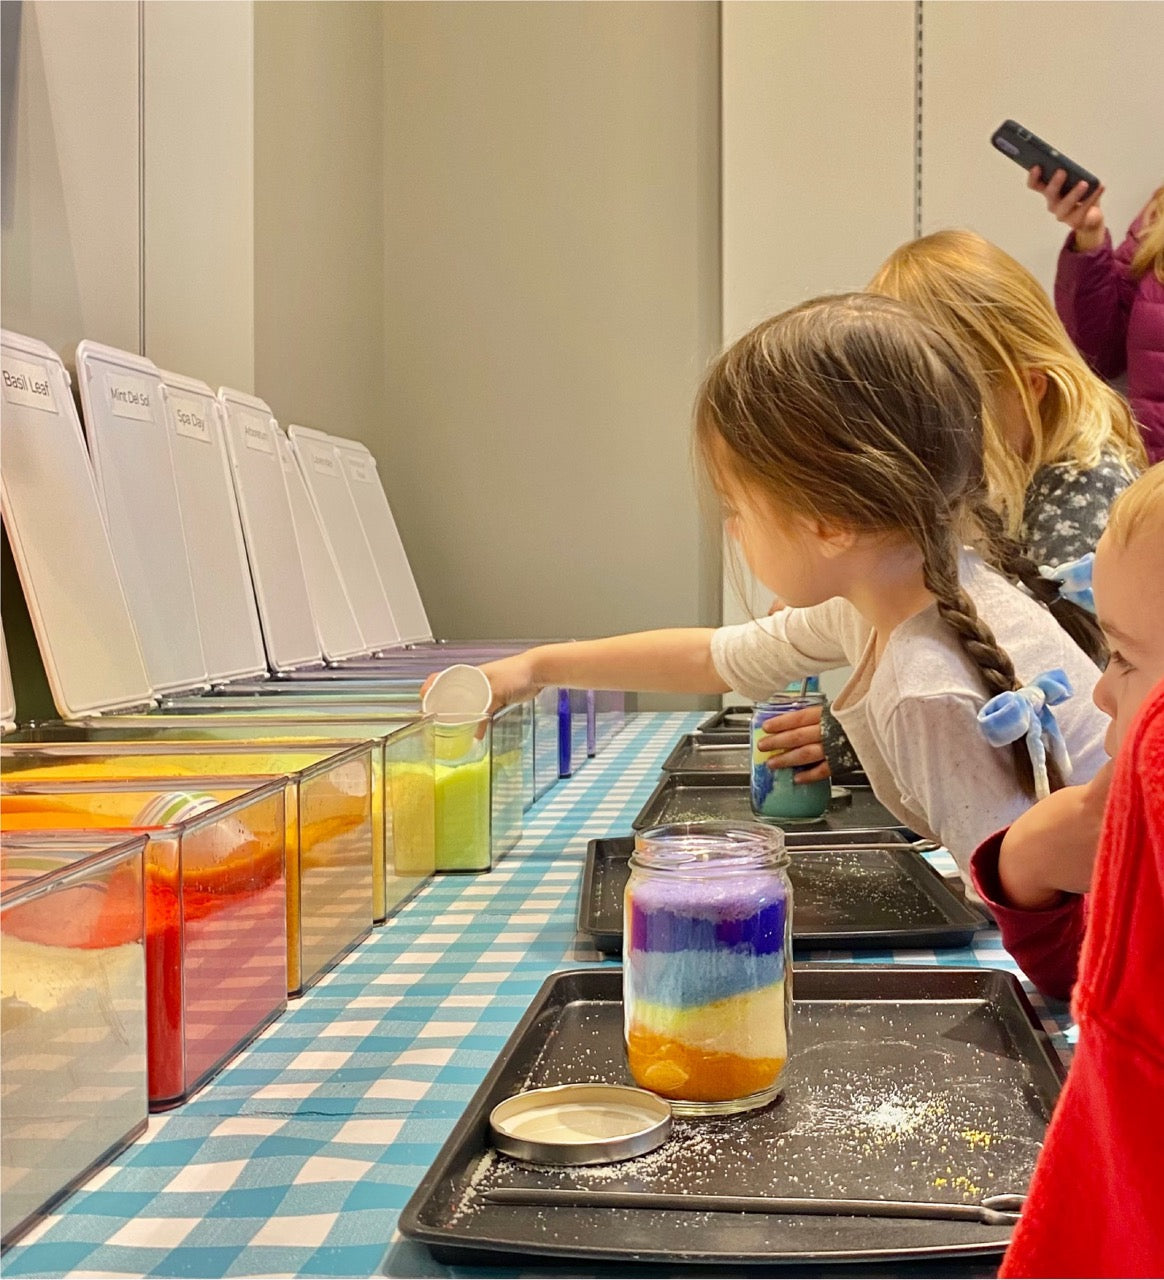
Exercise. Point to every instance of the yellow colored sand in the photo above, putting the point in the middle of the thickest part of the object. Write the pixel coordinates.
(462, 816)
(411, 789)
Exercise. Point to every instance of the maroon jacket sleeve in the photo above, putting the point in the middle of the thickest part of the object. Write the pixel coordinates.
(1093, 295)
(1044, 944)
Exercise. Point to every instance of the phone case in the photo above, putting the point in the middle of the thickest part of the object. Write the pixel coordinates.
(1028, 150)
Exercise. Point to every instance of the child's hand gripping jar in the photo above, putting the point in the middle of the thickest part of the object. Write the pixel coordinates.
(707, 979)
(775, 792)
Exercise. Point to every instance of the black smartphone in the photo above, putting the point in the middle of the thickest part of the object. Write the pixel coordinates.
(1029, 150)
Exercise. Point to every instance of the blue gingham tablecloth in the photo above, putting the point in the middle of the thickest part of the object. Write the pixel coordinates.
(298, 1158)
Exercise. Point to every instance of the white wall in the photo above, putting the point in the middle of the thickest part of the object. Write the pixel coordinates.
(69, 213)
(319, 214)
(818, 128)
(552, 282)
(1085, 75)
(71, 228)
(818, 172)
(198, 152)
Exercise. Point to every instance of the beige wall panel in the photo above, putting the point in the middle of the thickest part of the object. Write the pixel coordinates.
(70, 189)
(1085, 75)
(319, 214)
(199, 190)
(552, 296)
(818, 129)
(818, 160)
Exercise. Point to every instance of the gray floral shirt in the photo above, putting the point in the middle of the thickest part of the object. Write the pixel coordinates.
(1066, 508)
(1064, 516)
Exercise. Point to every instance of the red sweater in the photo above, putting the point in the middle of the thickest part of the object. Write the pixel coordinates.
(1045, 944)
(1096, 1202)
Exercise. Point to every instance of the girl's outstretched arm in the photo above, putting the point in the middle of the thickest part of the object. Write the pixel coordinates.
(677, 660)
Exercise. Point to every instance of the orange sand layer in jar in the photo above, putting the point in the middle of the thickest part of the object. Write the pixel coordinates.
(692, 1074)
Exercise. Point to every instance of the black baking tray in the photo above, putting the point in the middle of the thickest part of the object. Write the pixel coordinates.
(903, 1083)
(731, 718)
(730, 751)
(726, 752)
(853, 898)
(726, 797)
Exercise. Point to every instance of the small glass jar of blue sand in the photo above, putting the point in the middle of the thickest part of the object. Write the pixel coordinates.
(776, 794)
(707, 978)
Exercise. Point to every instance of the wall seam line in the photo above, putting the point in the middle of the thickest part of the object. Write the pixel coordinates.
(918, 103)
(141, 178)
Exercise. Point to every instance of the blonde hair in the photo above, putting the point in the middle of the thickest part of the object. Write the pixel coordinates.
(1142, 503)
(856, 411)
(972, 289)
(1149, 255)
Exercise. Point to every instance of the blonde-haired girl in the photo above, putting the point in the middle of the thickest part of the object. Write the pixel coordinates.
(1112, 300)
(844, 438)
(1059, 443)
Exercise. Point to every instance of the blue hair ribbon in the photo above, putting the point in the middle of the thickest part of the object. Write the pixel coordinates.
(1074, 580)
(1026, 713)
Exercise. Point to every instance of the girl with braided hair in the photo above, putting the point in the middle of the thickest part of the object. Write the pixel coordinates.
(1059, 444)
(844, 438)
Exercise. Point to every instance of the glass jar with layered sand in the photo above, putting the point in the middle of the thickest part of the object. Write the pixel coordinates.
(707, 965)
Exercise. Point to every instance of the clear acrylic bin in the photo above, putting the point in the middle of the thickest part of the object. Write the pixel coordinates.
(579, 736)
(402, 772)
(480, 769)
(299, 707)
(546, 768)
(216, 907)
(337, 697)
(335, 823)
(72, 1016)
(417, 664)
(609, 716)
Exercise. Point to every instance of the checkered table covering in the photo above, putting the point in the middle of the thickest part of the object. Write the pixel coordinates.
(298, 1158)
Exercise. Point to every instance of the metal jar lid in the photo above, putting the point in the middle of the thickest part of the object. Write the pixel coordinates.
(580, 1124)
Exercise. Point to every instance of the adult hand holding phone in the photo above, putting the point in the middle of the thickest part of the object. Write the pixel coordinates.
(1073, 207)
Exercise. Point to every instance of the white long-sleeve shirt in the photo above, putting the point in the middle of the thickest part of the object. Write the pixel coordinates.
(912, 715)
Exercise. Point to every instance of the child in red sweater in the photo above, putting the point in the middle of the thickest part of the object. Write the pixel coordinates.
(1095, 1207)
(1033, 873)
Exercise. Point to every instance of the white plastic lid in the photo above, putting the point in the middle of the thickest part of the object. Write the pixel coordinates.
(323, 474)
(7, 695)
(384, 539)
(59, 540)
(121, 395)
(269, 531)
(228, 618)
(335, 621)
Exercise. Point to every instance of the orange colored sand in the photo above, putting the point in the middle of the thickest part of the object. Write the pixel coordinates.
(688, 1074)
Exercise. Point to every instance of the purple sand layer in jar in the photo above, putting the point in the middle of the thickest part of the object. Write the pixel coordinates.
(694, 914)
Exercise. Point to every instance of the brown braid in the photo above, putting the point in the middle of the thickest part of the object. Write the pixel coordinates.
(1007, 555)
(960, 613)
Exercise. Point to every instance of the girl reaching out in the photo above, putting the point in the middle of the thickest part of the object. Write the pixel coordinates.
(1059, 445)
(844, 438)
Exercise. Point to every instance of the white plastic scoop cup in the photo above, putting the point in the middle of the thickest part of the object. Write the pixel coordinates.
(459, 700)
(459, 694)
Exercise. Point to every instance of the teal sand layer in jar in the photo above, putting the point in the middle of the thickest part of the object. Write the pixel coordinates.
(775, 792)
(706, 974)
